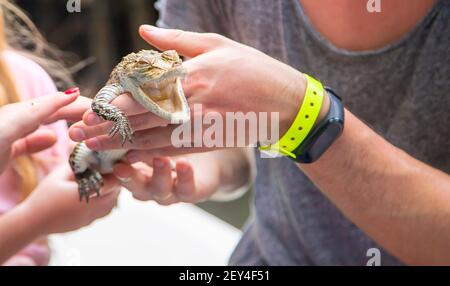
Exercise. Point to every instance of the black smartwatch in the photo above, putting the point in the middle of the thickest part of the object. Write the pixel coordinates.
(324, 134)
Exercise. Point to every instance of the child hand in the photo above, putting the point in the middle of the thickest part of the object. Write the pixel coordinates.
(54, 206)
(19, 122)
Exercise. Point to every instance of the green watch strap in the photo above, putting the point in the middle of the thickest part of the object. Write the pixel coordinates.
(304, 121)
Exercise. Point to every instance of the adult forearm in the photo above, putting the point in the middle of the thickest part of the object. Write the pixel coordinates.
(400, 202)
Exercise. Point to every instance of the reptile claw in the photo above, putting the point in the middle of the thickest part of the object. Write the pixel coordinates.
(122, 126)
(90, 181)
(113, 130)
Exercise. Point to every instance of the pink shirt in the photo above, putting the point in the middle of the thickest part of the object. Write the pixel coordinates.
(32, 81)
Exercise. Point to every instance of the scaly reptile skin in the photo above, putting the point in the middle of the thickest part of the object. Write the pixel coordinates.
(154, 80)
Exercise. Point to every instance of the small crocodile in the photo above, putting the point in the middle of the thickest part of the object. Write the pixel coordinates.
(154, 80)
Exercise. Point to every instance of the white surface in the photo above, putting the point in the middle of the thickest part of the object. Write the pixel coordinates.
(144, 233)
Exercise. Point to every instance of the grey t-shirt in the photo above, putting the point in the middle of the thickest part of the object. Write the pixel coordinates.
(402, 91)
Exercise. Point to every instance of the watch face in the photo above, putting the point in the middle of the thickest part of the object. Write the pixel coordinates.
(321, 143)
(324, 135)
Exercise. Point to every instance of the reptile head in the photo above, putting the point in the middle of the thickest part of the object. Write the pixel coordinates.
(154, 80)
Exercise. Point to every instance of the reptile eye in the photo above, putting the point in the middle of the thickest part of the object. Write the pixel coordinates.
(143, 61)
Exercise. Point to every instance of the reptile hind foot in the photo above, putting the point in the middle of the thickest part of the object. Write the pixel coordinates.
(89, 182)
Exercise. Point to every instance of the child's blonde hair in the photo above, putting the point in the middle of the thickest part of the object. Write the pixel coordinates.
(17, 32)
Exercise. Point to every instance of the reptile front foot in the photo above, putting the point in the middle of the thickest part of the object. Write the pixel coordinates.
(122, 126)
(89, 182)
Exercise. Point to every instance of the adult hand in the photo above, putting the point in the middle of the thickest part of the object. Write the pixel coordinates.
(159, 183)
(219, 175)
(223, 75)
(54, 206)
(19, 122)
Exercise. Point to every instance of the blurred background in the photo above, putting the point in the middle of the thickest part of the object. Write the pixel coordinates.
(99, 36)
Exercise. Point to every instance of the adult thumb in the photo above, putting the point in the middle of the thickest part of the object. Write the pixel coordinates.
(188, 44)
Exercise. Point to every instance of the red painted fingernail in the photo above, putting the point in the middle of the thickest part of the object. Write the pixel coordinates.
(72, 90)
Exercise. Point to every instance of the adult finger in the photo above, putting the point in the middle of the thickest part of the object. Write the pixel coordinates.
(146, 139)
(133, 180)
(162, 181)
(147, 155)
(169, 200)
(80, 131)
(188, 44)
(124, 102)
(33, 143)
(146, 186)
(185, 185)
